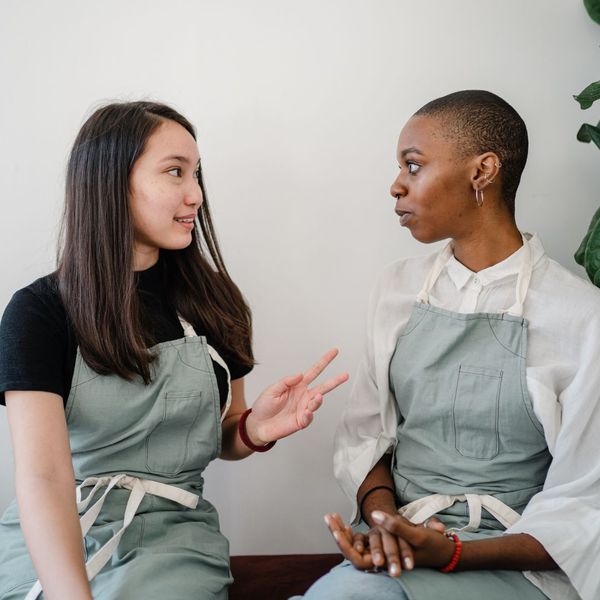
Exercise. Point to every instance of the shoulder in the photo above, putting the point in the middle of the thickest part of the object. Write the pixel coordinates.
(38, 303)
(566, 291)
(405, 275)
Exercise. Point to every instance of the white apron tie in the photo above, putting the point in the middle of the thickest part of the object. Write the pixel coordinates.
(139, 488)
(423, 508)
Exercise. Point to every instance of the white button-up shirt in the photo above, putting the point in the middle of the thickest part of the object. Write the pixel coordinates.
(563, 380)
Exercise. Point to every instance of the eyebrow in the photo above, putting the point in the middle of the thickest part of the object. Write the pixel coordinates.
(182, 159)
(411, 150)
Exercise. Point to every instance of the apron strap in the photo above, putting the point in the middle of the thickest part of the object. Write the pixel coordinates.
(423, 508)
(188, 331)
(139, 488)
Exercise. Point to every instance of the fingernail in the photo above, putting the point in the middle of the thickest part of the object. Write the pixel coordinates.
(336, 535)
(408, 564)
(378, 516)
(326, 519)
(394, 569)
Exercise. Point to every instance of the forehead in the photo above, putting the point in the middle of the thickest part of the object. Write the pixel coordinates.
(171, 139)
(426, 134)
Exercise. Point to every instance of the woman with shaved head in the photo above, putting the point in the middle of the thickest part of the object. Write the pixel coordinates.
(469, 446)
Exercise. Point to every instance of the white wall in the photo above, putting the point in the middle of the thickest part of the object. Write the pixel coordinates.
(298, 105)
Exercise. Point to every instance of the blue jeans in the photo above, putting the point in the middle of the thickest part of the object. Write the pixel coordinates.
(344, 582)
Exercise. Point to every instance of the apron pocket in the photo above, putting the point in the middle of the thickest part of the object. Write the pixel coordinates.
(168, 442)
(475, 412)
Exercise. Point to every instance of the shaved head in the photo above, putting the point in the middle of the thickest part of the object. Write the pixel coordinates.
(477, 121)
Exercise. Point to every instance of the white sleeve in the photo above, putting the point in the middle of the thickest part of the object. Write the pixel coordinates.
(565, 516)
(368, 424)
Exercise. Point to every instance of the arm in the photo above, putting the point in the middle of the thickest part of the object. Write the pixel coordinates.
(381, 499)
(431, 548)
(232, 447)
(46, 492)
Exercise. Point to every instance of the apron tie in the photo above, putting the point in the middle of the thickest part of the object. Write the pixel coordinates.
(423, 508)
(139, 488)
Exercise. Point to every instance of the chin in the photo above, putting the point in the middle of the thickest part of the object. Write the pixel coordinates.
(428, 237)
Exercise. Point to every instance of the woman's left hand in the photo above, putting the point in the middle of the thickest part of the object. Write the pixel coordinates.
(289, 405)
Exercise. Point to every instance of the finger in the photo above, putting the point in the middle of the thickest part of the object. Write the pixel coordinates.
(406, 552)
(305, 419)
(360, 542)
(399, 526)
(435, 524)
(320, 365)
(392, 553)
(283, 385)
(332, 383)
(315, 402)
(335, 523)
(346, 548)
(375, 546)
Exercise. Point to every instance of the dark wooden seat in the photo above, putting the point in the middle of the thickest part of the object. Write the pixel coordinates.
(279, 576)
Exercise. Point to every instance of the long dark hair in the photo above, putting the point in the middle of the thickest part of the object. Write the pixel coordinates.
(95, 263)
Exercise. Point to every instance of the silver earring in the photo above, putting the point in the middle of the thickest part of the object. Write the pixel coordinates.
(479, 197)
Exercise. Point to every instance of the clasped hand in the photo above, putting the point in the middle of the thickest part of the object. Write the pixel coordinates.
(393, 543)
(289, 405)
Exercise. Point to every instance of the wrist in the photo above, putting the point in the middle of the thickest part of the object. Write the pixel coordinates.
(382, 498)
(245, 436)
(252, 430)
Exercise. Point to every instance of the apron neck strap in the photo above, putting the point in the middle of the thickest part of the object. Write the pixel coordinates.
(188, 330)
(523, 279)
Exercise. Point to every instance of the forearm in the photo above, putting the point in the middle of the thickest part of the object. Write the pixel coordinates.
(381, 499)
(232, 447)
(52, 533)
(520, 552)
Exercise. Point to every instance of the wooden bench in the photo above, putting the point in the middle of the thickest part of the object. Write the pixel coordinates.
(279, 576)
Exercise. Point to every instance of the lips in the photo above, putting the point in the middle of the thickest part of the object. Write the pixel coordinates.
(404, 216)
(185, 218)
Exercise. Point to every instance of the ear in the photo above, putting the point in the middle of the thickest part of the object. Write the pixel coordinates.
(486, 169)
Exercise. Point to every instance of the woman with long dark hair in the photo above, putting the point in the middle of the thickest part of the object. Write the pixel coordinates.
(122, 373)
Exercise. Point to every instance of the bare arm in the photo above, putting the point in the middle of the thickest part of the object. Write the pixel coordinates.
(232, 447)
(431, 548)
(46, 493)
(381, 499)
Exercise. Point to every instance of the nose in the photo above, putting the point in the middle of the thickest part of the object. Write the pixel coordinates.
(398, 188)
(193, 195)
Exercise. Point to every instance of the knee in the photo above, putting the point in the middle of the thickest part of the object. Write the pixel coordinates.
(344, 582)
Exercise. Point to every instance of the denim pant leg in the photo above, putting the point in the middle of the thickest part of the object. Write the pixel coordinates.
(344, 582)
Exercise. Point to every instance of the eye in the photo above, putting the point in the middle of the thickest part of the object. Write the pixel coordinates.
(413, 167)
(197, 174)
(175, 172)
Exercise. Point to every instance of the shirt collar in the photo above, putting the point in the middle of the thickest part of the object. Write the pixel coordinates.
(460, 275)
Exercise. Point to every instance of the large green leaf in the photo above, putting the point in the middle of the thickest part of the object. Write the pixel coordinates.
(589, 133)
(589, 95)
(588, 253)
(593, 8)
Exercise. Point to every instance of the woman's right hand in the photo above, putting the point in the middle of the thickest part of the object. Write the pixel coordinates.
(378, 548)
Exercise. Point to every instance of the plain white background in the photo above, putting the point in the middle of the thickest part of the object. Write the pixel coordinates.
(298, 106)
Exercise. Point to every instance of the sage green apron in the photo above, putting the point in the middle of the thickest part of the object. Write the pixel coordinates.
(138, 454)
(469, 446)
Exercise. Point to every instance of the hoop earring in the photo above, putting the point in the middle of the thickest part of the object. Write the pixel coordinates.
(479, 197)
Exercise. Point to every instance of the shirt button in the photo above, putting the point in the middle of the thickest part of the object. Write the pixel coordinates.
(476, 282)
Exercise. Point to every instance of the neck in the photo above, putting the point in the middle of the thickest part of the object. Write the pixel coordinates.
(144, 258)
(487, 247)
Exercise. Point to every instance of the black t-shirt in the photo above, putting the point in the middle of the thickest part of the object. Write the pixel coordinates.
(38, 348)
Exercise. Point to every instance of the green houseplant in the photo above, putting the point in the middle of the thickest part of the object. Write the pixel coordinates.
(588, 253)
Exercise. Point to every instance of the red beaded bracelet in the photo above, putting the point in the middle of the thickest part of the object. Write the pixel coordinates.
(455, 556)
(246, 439)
